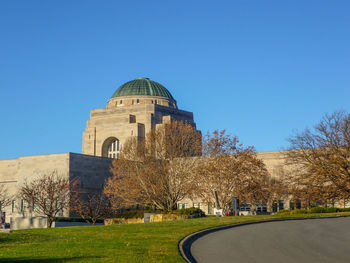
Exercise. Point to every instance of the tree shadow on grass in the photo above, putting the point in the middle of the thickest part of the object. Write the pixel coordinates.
(34, 260)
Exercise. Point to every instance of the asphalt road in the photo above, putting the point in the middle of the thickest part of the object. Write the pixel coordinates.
(316, 240)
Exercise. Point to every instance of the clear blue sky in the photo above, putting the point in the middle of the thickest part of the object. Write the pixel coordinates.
(259, 69)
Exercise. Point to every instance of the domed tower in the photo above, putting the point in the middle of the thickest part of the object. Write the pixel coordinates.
(134, 109)
(141, 91)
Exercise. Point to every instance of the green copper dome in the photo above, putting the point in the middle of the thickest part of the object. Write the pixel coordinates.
(142, 87)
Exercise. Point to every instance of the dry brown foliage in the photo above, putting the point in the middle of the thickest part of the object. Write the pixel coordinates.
(322, 160)
(233, 170)
(153, 172)
(89, 205)
(47, 195)
(5, 197)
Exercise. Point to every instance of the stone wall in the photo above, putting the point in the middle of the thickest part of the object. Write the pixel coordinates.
(91, 171)
(167, 217)
(29, 222)
(153, 218)
(274, 161)
(119, 221)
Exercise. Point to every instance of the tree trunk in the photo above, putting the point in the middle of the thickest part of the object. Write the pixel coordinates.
(49, 222)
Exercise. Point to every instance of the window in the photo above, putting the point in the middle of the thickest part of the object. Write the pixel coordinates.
(13, 206)
(201, 206)
(121, 102)
(182, 206)
(291, 205)
(132, 118)
(113, 149)
(274, 207)
(155, 102)
(24, 206)
(195, 205)
(60, 212)
(35, 207)
(245, 207)
(261, 208)
(280, 205)
(138, 101)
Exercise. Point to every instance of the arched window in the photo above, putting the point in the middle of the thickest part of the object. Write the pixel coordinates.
(111, 148)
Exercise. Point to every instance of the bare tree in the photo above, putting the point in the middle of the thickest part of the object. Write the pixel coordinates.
(232, 169)
(89, 205)
(47, 195)
(321, 157)
(5, 197)
(153, 171)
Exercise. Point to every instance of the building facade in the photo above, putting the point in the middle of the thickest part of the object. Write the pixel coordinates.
(133, 110)
(136, 108)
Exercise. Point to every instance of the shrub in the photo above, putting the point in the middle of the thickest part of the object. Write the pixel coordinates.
(343, 209)
(134, 213)
(74, 219)
(317, 210)
(191, 212)
(331, 210)
(283, 212)
(298, 211)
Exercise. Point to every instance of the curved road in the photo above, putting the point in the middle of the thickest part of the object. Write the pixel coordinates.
(312, 240)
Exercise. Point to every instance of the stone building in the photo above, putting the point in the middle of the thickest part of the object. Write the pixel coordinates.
(92, 172)
(134, 109)
(274, 162)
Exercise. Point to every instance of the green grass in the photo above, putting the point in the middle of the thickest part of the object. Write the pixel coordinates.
(151, 242)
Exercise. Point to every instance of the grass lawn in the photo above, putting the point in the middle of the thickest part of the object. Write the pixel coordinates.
(151, 242)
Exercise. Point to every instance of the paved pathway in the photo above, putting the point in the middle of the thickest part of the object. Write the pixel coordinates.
(301, 241)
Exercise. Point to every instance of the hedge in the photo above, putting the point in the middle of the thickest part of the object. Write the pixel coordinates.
(314, 210)
(191, 212)
(74, 219)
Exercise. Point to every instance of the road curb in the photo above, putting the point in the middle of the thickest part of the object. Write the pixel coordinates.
(184, 245)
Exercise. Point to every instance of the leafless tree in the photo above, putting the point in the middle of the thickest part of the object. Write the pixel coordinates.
(232, 169)
(153, 171)
(5, 197)
(321, 157)
(89, 205)
(47, 195)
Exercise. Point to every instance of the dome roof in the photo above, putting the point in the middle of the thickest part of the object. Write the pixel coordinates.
(142, 87)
